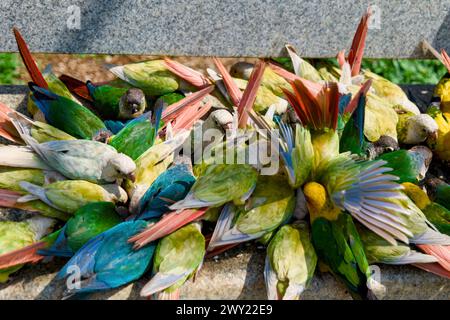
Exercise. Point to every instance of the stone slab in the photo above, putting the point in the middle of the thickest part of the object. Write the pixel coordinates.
(223, 27)
(236, 274)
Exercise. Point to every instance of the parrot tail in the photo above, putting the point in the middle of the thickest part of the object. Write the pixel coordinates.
(161, 281)
(172, 111)
(28, 61)
(21, 157)
(36, 192)
(77, 87)
(187, 119)
(249, 95)
(28, 254)
(359, 41)
(435, 268)
(42, 97)
(224, 234)
(287, 75)
(432, 237)
(195, 78)
(442, 253)
(168, 224)
(7, 129)
(233, 91)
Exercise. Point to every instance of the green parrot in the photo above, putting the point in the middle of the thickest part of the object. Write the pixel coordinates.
(169, 98)
(10, 177)
(379, 250)
(158, 77)
(137, 136)
(337, 243)
(270, 205)
(87, 222)
(66, 115)
(219, 184)
(117, 103)
(69, 195)
(177, 258)
(16, 235)
(290, 262)
(438, 215)
(409, 165)
(440, 145)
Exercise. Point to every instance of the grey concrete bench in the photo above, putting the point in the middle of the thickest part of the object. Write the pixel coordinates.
(223, 28)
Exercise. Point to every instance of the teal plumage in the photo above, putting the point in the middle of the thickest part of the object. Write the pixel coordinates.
(108, 261)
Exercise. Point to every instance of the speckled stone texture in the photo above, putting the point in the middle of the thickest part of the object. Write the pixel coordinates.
(237, 274)
(317, 28)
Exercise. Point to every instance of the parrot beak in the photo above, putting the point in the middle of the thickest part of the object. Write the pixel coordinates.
(228, 126)
(433, 136)
(131, 176)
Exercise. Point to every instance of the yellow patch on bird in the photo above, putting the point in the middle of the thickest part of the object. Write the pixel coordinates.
(417, 195)
(318, 202)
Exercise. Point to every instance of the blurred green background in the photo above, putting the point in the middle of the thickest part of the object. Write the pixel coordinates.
(401, 71)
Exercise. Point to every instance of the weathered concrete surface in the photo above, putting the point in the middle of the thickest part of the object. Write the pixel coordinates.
(223, 27)
(237, 274)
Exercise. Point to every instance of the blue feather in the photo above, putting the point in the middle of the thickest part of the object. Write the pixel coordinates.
(42, 98)
(171, 186)
(91, 88)
(344, 101)
(60, 247)
(114, 125)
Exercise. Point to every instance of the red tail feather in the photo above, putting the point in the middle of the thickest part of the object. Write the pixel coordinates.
(190, 75)
(186, 119)
(445, 59)
(173, 110)
(232, 89)
(249, 95)
(168, 224)
(76, 86)
(27, 254)
(442, 253)
(435, 268)
(7, 129)
(359, 42)
(354, 102)
(289, 76)
(29, 62)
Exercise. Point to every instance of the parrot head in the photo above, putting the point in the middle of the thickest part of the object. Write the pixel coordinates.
(132, 104)
(419, 128)
(121, 166)
(383, 145)
(241, 70)
(223, 119)
(316, 197)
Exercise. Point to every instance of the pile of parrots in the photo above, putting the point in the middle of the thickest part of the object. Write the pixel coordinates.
(98, 167)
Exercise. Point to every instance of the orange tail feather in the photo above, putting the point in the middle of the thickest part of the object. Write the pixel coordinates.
(29, 62)
(168, 224)
(435, 268)
(359, 42)
(232, 89)
(249, 95)
(190, 75)
(27, 254)
(442, 253)
(76, 86)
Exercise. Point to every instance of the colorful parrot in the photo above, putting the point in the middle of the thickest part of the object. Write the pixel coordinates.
(66, 115)
(81, 159)
(70, 195)
(111, 102)
(290, 262)
(177, 258)
(108, 261)
(171, 186)
(409, 165)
